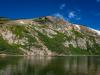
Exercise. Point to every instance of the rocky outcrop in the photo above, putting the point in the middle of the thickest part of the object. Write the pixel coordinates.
(47, 36)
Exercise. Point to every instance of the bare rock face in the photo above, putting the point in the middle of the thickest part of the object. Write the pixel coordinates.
(47, 36)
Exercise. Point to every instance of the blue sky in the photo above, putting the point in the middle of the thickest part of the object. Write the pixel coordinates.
(85, 12)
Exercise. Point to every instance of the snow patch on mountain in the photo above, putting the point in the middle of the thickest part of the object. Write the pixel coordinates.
(97, 31)
(78, 26)
(22, 22)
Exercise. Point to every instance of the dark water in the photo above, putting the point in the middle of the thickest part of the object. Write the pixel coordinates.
(70, 65)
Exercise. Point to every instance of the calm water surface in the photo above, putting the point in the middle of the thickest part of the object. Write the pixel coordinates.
(69, 65)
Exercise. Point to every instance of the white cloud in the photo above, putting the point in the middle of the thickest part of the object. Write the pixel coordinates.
(75, 15)
(98, 0)
(59, 15)
(71, 14)
(62, 6)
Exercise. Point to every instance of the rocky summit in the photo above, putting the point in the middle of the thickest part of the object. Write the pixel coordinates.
(47, 36)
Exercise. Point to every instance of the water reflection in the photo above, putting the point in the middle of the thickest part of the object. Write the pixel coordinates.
(70, 65)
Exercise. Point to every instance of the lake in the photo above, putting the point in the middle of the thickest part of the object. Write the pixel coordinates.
(31, 65)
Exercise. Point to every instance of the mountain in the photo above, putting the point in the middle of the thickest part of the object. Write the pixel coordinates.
(47, 36)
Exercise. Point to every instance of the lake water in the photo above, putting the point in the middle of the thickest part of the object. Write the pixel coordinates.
(69, 65)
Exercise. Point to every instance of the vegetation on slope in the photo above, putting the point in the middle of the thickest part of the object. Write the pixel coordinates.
(4, 20)
(55, 43)
(7, 48)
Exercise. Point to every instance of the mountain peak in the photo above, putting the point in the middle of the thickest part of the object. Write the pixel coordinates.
(54, 19)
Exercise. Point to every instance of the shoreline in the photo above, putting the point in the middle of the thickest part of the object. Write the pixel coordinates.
(46, 55)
